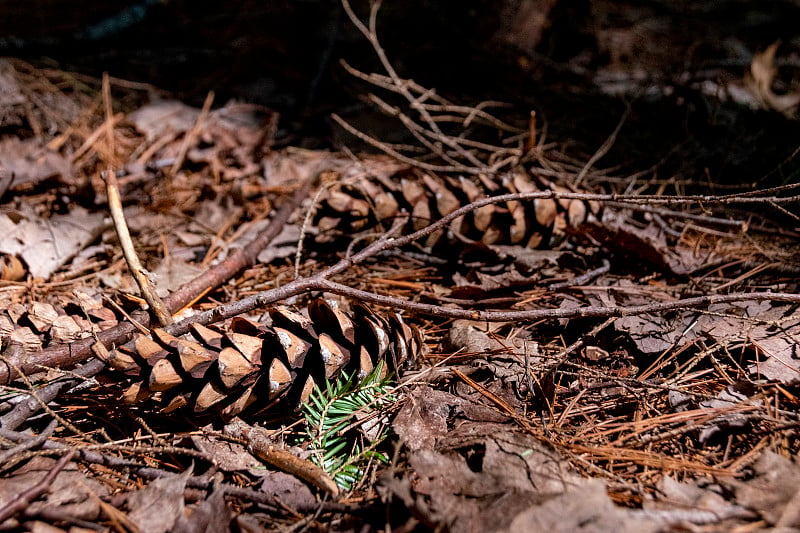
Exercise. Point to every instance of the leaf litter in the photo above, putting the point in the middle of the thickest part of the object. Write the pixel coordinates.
(671, 419)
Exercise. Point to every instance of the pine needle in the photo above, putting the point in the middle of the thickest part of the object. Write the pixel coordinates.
(332, 413)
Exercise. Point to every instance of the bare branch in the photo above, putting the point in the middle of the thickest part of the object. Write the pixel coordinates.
(603, 150)
(549, 314)
(397, 155)
(401, 85)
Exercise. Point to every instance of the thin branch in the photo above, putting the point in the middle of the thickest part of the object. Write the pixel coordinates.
(464, 115)
(92, 456)
(44, 394)
(415, 129)
(380, 145)
(385, 82)
(549, 314)
(583, 279)
(402, 86)
(128, 250)
(603, 150)
(737, 225)
(192, 134)
(34, 441)
(262, 446)
(32, 393)
(422, 134)
(121, 226)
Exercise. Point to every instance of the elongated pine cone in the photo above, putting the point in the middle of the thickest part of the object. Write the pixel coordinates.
(540, 223)
(255, 366)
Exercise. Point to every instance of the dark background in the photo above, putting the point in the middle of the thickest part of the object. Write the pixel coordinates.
(544, 55)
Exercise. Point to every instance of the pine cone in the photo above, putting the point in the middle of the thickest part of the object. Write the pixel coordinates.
(38, 325)
(372, 201)
(254, 366)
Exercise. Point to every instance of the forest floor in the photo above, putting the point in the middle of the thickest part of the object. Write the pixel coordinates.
(484, 330)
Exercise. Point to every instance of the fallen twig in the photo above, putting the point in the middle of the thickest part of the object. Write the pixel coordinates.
(259, 444)
(370, 32)
(129, 252)
(32, 402)
(93, 456)
(34, 441)
(121, 226)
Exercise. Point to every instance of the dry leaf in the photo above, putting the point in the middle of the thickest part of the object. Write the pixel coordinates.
(45, 244)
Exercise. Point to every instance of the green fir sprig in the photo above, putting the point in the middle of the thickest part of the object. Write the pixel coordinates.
(334, 414)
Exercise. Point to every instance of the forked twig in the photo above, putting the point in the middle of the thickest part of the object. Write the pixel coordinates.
(406, 88)
(388, 150)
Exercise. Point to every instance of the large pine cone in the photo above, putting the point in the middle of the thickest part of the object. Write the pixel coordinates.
(371, 201)
(254, 366)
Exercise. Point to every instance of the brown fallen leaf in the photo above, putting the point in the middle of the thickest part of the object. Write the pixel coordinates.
(30, 162)
(586, 507)
(157, 507)
(772, 491)
(45, 244)
(211, 515)
(69, 493)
